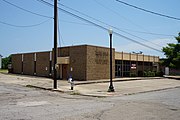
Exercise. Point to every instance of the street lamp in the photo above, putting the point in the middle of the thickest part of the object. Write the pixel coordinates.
(111, 88)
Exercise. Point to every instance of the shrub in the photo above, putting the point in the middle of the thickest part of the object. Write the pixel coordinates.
(133, 75)
(149, 74)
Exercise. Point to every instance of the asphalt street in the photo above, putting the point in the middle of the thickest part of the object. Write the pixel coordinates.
(156, 105)
(23, 103)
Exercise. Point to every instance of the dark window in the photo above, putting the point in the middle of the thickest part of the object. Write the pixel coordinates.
(140, 63)
(50, 67)
(34, 66)
(22, 68)
(118, 68)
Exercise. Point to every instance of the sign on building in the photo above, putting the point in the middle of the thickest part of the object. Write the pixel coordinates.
(133, 66)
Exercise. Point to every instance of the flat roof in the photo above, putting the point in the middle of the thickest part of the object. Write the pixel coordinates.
(116, 52)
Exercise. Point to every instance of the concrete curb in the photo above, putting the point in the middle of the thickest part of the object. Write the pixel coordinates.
(171, 77)
(153, 90)
(71, 92)
(103, 96)
(51, 89)
(118, 80)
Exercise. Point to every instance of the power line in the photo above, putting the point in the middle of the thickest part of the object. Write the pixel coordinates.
(109, 25)
(26, 9)
(131, 22)
(145, 10)
(78, 23)
(23, 26)
(99, 26)
(59, 34)
(61, 41)
(44, 2)
(150, 33)
(137, 42)
(158, 34)
(108, 29)
(84, 14)
(117, 13)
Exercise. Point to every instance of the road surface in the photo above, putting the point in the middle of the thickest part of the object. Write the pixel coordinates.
(23, 103)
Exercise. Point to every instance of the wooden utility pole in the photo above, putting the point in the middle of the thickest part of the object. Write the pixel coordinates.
(55, 43)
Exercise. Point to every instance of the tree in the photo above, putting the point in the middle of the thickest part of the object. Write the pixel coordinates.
(172, 52)
(5, 62)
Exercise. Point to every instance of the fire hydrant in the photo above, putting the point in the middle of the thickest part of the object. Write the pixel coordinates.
(71, 81)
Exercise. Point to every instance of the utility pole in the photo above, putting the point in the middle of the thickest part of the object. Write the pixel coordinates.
(55, 43)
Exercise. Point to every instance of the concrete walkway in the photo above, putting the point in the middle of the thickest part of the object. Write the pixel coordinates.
(173, 77)
(97, 88)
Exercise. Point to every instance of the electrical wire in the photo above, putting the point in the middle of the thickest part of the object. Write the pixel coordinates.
(109, 25)
(23, 26)
(145, 10)
(117, 13)
(147, 32)
(26, 9)
(159, 34)
(44, 2)
(106, 29)
(78, 23)
(99, 26)
(150, 33)
(59, 34)
(61, 41)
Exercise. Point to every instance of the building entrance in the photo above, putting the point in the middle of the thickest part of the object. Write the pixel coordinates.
(64, 71)
(118, 68)
(118, 71)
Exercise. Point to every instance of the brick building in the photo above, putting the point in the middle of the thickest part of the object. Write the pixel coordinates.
(83, 62)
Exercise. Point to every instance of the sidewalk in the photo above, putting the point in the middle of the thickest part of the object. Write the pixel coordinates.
(173, 77)
(116, 80)
(128, 87)
(97, 88)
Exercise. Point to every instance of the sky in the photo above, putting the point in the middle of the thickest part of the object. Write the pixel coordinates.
(130, 22)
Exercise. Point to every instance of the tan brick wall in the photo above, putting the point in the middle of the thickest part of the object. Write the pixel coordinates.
(156, 59)
(126, 56)
(17, 63)
(43, 64)
(78, 61)
(28, 63)
(98, 63)
(118, 55)
(151, 58)
(133, 57)
(63, 52)
(140, 57)
(88, 62)
(146, 58)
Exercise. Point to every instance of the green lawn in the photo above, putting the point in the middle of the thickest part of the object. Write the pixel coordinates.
(3, 70)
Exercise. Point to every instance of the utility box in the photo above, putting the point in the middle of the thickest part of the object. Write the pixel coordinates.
(166, 70)
(1, 61)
